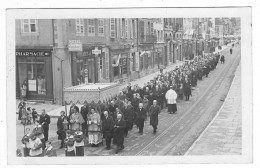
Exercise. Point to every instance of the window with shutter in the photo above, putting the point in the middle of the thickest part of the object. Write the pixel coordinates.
(135, 28)
(101, 27)
(131, 28)
(126, 28)
(91, 27)
(112, 28)
(29, 26)
(79, 27)
(118, 28)
(151, 28)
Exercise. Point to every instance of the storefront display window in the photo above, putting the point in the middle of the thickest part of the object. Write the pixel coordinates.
(83, 63)
(123, 65)
(115, 65)
(32, 70)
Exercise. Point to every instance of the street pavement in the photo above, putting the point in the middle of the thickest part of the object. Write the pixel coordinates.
(223, 136)
(177, 132)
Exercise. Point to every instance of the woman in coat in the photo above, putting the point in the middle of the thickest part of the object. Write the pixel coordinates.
(60, 126)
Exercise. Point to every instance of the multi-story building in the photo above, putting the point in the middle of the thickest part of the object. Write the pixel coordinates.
(34, 42)
(178, 37)
(188, 34)
(170, 43)
(219, 32)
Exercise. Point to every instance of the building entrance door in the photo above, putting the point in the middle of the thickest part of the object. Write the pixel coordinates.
(91, 70)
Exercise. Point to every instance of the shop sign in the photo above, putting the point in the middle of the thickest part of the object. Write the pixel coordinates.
(33, 53)
(32, 85)
(75, 45)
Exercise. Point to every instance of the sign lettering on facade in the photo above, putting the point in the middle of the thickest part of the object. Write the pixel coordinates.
(32, 53)
(75, 45)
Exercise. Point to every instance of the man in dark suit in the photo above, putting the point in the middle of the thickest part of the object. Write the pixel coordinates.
(140, 117)
(84, 113)
(119, 132)
(45, 120)
(108, 126)
(128, 113)
(154, 112)
(112, 108)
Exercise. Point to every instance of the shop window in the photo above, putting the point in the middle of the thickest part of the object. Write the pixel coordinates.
(141, 59)
(33, 71)
(79, 27)
(29, 26)
(100, 27)
(115, 65)
(124, 66)
(91, 27)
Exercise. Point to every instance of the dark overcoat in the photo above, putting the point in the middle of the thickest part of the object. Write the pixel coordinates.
(140, 117)
(119, 132)
(154, 112)
(129, 116)
(61, 132)
(108, 126)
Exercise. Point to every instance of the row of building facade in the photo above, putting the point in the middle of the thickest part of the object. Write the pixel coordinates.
(55, 53)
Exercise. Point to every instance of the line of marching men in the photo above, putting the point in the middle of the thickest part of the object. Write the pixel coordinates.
(113, 119)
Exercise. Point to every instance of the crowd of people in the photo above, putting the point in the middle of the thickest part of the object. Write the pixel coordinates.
(111, 120)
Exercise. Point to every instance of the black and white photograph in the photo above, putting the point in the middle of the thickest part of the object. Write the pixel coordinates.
(135, 83)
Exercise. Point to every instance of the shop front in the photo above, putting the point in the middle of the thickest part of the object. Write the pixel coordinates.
(89, 66)
(34, 70)
(120, 65)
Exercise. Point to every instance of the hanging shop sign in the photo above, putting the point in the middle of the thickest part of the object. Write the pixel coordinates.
(75, 45)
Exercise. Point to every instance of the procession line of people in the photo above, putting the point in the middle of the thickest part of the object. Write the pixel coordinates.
(113, 119)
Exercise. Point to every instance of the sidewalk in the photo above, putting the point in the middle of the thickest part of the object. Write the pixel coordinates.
(223, 136)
